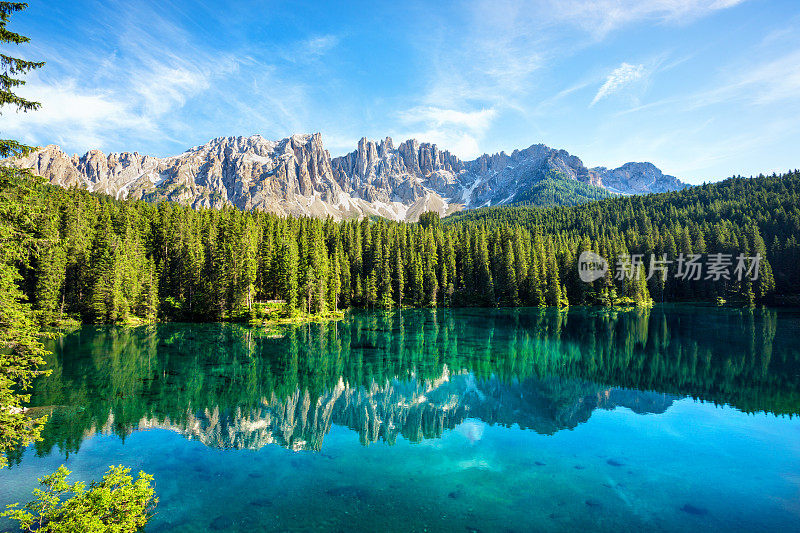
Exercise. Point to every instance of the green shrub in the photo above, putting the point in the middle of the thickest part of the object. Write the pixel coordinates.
(116, 504)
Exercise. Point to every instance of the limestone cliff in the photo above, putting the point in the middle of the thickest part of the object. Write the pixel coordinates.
(296, 176)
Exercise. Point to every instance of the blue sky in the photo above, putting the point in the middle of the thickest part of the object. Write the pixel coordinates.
(702, 88)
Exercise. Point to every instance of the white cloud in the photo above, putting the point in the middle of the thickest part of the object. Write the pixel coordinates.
(309, 50)
(744, 83)
(599, 17)
(776, 80)
(462, 144)
(81, 116)
(153, 84)
(476, 121)
(452, 129)
(320, 45)
(71, 115)
(623, 75)
(765, 83)
(163, 87)
(495, 54)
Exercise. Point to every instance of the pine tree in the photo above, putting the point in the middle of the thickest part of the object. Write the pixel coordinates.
(764, 284)
(50, 266)
(397, 275)
(105, 289)
(510, 293)
(319, 265)
(346, 285)
(416, 280)
(372, 289)
(554, 295)
(430, 260)
(11, 67)
(449, 269)
(483, 272)
(148, 304)
(287, 274)
(334, 283)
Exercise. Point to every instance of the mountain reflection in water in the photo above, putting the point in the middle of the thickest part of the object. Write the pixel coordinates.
(413, 373)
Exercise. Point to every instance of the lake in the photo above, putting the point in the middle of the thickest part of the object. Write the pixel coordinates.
(676, 418)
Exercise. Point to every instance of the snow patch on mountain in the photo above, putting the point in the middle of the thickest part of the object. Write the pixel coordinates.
(296, 176)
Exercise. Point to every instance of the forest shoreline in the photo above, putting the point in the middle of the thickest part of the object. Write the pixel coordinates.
(59, 327)
(94, 259)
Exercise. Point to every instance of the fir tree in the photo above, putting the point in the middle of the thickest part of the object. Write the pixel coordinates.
(12, 67)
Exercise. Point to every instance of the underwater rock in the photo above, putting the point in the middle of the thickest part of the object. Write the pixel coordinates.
(691, 509)
(261, 502)
(222, 523)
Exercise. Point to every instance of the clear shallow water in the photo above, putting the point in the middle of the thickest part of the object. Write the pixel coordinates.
(673, 419)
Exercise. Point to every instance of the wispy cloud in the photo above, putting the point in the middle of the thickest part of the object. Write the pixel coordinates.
(600, 17)
(623, 75)
(494, 55)
(480, 76)
(455, 130)
(73, 116)
(166, 85)
(478, 67)
(754, 85)
(81, 115)
(310, 49)
(746, 83)
(475, 121)
(320, 45)
(785, 72)
(154, 84)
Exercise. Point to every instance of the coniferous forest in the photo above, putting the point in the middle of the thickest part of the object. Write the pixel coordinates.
(97, 259)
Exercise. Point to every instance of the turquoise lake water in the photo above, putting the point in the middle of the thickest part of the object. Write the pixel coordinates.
(675, 418)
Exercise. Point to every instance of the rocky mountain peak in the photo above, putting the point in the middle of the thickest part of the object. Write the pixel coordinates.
(636, 178)
(297, 176)
(412, 408)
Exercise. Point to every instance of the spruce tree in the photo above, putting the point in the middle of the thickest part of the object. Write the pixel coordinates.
(105, 275)
(287, 274)
(13, 67)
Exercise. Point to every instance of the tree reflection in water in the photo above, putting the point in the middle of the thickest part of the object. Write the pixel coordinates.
(413, 373)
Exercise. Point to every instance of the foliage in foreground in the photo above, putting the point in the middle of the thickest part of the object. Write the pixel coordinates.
(21, 353)
(116, 504)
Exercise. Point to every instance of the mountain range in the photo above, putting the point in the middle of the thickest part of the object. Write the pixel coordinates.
(416, 409)
(297, 176)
